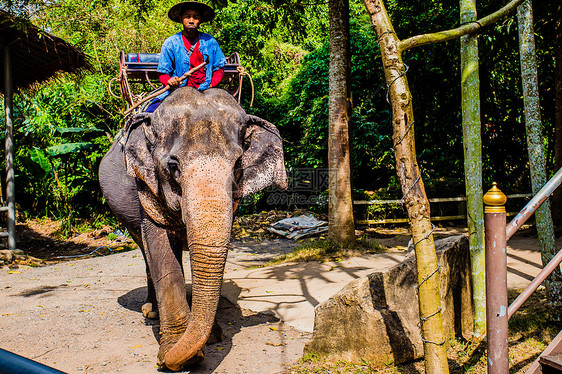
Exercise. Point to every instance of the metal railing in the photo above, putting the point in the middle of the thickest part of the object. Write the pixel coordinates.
(11, 363)
(497, 233)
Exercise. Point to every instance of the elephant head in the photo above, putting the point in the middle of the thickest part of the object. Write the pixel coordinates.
(193, 159)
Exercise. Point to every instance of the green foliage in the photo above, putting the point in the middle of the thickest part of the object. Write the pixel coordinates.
(379, 211)
(435, 82)
(65, 149)
(505, 157)
(302, 112)
(62, 128)
(60, 144)
(271, 39)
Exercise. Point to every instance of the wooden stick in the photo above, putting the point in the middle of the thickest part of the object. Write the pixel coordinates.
(164, 89)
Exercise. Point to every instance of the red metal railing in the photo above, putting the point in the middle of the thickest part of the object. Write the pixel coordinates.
(497, 234)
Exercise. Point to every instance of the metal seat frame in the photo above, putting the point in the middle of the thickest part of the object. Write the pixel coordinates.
(137, 79)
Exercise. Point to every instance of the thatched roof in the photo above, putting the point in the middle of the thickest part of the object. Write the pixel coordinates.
(36, 55)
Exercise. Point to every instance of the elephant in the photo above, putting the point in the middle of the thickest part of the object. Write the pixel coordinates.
(174, 180)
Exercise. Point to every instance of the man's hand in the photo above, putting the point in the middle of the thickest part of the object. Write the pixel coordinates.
(174, 82)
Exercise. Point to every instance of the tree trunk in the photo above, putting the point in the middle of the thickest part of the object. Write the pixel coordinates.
(413, 189)
(470, 92)
(537, 164)
(410, 179)
(341, 224)
(557, 196)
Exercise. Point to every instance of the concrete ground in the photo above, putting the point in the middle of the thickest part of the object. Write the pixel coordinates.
(291, 291)
(84, 316)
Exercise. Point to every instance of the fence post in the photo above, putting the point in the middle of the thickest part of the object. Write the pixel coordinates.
(496, 281)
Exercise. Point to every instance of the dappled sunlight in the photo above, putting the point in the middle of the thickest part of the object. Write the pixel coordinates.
(534, 263)
(293, 290)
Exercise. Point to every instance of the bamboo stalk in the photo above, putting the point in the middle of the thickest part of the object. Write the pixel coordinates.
(535, 148)
(471, 127)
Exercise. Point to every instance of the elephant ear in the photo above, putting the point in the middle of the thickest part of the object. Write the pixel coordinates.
(262, 163)
(140, 138)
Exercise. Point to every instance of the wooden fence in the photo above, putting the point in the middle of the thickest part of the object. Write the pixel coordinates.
(435, 200)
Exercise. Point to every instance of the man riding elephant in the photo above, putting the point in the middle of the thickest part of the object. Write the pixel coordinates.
(187, 49)
(174, 180)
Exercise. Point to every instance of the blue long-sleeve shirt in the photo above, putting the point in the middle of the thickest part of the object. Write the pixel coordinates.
(174, 58)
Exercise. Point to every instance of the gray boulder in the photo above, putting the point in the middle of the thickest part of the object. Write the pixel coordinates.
(376, 318)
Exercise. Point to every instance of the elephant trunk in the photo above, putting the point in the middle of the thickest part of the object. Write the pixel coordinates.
(207, 213)
(207, 267)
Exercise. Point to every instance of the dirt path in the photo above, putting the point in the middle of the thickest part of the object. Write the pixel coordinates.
(83, 316)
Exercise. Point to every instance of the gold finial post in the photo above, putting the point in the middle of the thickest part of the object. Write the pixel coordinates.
(496, 280)
(495, 200)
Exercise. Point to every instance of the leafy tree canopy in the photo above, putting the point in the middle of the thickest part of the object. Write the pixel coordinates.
(285, 48)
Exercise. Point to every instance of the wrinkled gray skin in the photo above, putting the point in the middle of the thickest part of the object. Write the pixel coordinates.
(175, 185)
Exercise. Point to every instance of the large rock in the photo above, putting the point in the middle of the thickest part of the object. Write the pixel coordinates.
(376, 318)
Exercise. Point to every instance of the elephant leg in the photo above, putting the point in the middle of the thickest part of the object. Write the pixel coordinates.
(163, 247)
(121, 194)
(150, 308)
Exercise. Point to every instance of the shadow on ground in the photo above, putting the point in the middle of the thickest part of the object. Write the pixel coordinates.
(230, 317)
(43, 241)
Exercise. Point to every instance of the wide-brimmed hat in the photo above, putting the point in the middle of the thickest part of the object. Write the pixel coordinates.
(176, 12)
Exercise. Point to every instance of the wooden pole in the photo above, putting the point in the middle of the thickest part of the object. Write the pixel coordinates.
(10, 175)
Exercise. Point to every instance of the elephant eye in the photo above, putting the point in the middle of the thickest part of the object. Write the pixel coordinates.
(174, 167)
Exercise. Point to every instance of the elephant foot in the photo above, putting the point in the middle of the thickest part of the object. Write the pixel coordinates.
(199, 356)
(216, 334)
(167, 342)
(148, 311)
